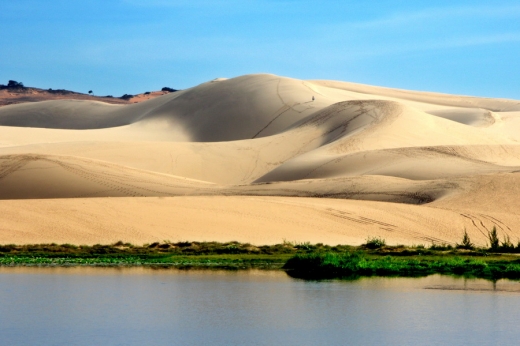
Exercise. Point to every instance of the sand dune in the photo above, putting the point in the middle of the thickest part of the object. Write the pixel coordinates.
(39, 176)
(427, 98)
(16, 95)
(232, 159)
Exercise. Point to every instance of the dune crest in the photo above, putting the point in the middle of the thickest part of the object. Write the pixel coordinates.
(260, 158)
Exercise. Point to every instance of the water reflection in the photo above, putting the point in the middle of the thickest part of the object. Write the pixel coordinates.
(136, 306)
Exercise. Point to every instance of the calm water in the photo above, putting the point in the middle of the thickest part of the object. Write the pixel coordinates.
(87, 306)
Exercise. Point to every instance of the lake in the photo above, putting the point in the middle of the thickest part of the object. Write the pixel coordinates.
(143, 306)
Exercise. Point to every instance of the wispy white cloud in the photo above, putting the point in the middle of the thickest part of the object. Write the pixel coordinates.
(353, 53)
(441, 28)
(438, 14)
(459, 42)
(135, 51)
(147, 43)
(149, 50)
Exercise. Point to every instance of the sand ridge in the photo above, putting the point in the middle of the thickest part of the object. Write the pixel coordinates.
(16, 95)
(261, 158)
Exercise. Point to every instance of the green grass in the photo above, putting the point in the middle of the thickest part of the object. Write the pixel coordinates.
(179, 261)
(305, 260)
(231, 255)
(327, 265)
(165, 248)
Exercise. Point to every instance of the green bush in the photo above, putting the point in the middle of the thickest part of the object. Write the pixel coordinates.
(374, 243)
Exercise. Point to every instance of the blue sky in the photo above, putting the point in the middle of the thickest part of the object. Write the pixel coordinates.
(130, 46)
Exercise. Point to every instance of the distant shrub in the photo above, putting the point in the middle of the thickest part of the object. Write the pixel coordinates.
(466, 242)
(12, 84)
(493, 239)
(170, 90)
(109, 96)
(507, 245)
(495, 245)
(374, 243)
(59, 91)
(15, 85)
(147, 93)
(126, 97)
(441, 247)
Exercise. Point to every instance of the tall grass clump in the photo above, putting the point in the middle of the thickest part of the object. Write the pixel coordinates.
(494, 242)
(466, 242)
(506, 245)
(441, 247)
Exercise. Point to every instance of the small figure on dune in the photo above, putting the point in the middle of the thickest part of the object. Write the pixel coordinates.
(313, 97)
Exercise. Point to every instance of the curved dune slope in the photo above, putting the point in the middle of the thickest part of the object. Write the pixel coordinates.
(240, 108)
(45, 176)
(412, 167)
(495, 105)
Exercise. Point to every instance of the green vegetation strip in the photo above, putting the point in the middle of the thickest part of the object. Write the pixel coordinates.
(230, 255)
(302, 260)
(352, 265)
(215, 261)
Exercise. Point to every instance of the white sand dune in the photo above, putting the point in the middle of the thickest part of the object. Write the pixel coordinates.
(232, 159)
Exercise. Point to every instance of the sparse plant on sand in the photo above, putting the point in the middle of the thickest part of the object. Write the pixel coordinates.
(466, 242)
(506, 245)
(440, 247)
(374, 243)
(289, 243)
(304, 246)
(494, 242)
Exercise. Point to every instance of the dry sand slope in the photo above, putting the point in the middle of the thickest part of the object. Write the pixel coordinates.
(256, 159)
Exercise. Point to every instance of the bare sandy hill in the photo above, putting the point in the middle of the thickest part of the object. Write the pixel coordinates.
(12, 96)
(261, 158)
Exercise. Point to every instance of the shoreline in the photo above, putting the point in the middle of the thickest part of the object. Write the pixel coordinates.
(299, 260)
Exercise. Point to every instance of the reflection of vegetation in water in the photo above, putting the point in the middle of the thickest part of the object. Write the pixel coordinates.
(374, 258)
